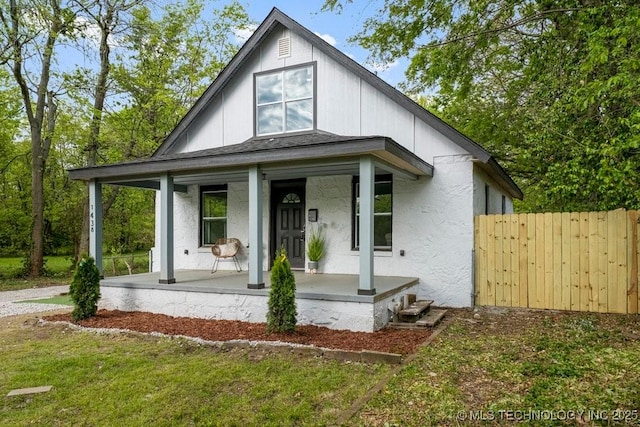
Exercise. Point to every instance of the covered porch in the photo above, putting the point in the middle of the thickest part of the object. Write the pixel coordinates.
(329, 300)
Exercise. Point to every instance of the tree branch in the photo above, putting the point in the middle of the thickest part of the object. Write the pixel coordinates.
(506, 26)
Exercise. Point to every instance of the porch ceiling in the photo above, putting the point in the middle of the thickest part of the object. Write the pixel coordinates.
(284, 157)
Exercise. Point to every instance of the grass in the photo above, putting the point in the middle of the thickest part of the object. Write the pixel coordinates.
(500, 365)
(520, 361)
(140, 381)
(59, 270)
(58, 299)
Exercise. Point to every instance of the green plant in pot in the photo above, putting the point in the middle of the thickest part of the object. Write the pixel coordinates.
(315, 249)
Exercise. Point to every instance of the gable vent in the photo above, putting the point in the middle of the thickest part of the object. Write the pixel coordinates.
(284, 47)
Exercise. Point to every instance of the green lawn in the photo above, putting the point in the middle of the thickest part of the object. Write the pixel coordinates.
(142, 381)
(538, 363)
(500, 367)
(59, 270)
(58, 299)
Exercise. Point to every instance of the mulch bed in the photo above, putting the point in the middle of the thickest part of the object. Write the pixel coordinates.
(400, 341)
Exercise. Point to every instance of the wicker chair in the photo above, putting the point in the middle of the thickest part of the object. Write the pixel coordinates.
(225, 249)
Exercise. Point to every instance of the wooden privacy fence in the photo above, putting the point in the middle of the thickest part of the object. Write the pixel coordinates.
(585, 261)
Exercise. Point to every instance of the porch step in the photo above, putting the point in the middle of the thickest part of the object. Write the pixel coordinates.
(429, 319)
(432, 318)
(414, 312)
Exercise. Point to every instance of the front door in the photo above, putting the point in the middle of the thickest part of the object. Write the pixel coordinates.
(289, 220)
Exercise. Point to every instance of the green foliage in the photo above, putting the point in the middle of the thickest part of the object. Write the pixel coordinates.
(550, 88)
(281, 316)
(316, 245)
(85, 289)
(166, 55)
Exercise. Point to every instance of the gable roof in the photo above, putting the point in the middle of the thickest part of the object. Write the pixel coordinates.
(275, 18)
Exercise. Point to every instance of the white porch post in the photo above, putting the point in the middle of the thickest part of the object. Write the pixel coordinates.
(95, 223)
(256, 280)
(367, 192)
(166, 229)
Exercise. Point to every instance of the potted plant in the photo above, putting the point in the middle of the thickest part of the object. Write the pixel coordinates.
(315, 249)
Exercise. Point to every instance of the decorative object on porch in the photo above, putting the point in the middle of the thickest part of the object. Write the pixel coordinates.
(225, 249)
(315, 249)
(85, 289)
(282, 313)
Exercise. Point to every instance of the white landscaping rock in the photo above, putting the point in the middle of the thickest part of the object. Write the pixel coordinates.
(9, 306)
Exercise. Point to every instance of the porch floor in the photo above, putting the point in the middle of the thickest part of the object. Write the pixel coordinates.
(330, 287)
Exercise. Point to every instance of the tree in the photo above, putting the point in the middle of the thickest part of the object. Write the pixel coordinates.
(281, 316)
(85, 289)
(14, 172)
(107, 17)
(30, 32)
(550, 87)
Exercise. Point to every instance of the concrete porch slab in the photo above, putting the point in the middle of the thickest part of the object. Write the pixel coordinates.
(329, 300)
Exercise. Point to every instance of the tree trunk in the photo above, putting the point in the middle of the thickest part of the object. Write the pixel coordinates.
(104, 22)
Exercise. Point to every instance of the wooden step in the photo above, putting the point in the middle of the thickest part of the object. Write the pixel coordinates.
(414, 312)
(432, 318)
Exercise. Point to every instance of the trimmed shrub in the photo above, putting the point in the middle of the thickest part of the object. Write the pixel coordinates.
(281, 316)
(85, 289)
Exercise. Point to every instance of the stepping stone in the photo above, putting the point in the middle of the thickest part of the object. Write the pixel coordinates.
(31, 390)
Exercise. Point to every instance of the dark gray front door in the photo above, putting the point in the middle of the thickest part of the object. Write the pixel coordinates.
(288, 204)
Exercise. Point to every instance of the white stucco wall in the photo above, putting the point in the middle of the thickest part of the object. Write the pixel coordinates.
(432, 224)
(187, 252)
(480, 180)
(355, 316)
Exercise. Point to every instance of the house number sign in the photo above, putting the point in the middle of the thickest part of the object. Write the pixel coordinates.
(92, 219)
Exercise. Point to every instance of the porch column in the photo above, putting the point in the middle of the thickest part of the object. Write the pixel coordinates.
(367, 192)
(95, 223)
(166, 229)
(256, 280)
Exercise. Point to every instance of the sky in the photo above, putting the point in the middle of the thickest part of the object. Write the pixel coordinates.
(333, 27)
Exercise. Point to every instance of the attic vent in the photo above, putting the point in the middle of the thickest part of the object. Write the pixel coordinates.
(284, 47)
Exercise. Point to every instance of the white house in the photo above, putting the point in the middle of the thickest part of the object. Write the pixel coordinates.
(293, 136)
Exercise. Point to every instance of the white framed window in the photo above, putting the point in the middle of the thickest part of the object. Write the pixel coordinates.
(284, 100)
(213, 214)
(382, 213)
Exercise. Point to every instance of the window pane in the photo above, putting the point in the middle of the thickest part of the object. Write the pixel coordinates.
(382, 230)
(269, 88)
(214, 205)
(212, 230)
(382, 203)
(269, 119)
(298, 83)
(299, 115)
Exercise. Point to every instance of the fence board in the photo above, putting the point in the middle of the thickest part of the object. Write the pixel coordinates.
(632, 257)
(565, 276)
(575, 261)
(514, 260)
(601, 272)
(621, 261)
(523, 260)
(491, 261)
(585, 261)
(500, 300)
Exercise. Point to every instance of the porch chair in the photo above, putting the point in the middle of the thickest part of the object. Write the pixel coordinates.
(226, 248)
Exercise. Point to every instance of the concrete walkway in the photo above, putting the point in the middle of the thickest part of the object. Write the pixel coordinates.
(10, 307)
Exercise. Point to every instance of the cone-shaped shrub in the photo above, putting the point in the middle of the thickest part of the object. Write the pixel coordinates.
(281, 316)
(85, 289)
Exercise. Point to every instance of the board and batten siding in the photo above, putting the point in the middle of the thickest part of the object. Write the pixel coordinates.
(345, 105)
(578, 261)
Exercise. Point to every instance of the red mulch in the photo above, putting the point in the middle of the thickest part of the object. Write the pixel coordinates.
(401, 341)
